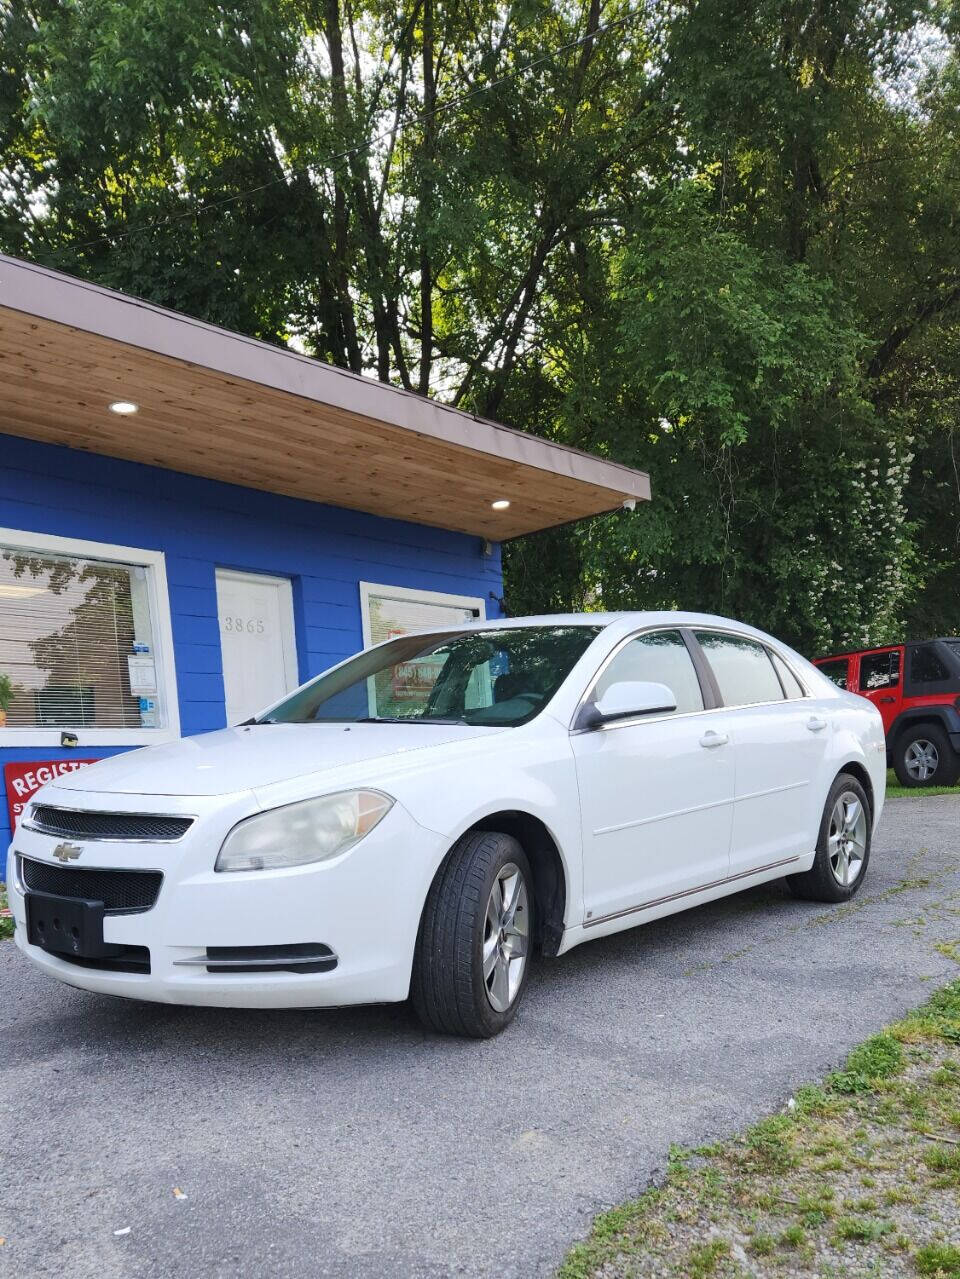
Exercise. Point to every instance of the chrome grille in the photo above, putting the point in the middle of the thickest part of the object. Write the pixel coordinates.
(71, 824)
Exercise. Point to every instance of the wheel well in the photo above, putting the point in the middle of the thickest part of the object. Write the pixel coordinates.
(863, 777)
(915, 722)
(549, 880)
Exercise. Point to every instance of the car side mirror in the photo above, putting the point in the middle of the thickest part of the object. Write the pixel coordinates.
(627, 699)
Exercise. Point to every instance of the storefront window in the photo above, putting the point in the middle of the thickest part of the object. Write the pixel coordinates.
(78, 643)
(389, 612)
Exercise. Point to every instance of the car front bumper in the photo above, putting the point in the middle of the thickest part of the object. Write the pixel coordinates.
(364, 906)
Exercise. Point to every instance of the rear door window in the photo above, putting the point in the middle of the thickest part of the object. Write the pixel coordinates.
(743, 669)
(879, 670)
(837, 671)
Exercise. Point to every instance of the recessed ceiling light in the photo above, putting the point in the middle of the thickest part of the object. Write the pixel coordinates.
(501, 504)
(124, 407)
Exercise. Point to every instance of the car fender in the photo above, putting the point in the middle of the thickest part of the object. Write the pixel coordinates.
(858, 739)
(535, 776)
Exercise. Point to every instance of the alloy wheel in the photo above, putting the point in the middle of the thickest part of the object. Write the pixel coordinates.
(921, 759)
(847, 841)
(506, 937)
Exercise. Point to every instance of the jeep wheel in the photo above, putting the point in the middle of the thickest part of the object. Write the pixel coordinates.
(924, 756)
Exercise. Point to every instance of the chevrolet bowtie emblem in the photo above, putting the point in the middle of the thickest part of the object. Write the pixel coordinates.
(67, 852)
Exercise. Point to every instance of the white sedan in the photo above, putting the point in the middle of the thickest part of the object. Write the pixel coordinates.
(419, 820)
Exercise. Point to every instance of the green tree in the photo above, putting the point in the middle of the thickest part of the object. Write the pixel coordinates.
(285, 169)
(715, 241)
(778, 346)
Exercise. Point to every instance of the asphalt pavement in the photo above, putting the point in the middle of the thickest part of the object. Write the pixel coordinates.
(350, 1143)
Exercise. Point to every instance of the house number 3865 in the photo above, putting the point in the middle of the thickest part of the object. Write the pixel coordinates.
(249, 625)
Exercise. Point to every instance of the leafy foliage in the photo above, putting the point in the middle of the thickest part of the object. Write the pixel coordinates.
(717, 243)
(880, 1057)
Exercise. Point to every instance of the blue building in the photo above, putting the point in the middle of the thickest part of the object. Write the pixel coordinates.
(193, 522)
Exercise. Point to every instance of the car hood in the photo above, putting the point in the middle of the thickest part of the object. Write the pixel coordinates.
(254, 757)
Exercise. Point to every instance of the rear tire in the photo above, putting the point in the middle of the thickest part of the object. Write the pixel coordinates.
(924, 756)
(473, 950)
(843, 846)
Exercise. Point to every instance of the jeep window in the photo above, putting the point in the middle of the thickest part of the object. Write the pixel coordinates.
(836, 671)
(926, 665)
(879, 670)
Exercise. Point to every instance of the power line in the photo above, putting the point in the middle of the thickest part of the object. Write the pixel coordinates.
(393, 131)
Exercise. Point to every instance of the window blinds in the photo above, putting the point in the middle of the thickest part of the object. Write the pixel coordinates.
(67, 628)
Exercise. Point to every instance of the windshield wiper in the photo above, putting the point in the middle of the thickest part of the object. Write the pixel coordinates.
(404, 719)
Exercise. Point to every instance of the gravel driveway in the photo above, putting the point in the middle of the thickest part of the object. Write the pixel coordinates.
(349, 1143)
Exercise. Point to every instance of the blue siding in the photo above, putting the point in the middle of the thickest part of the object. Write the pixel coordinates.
(201, 525)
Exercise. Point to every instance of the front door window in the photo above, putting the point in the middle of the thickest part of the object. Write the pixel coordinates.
(658, 657)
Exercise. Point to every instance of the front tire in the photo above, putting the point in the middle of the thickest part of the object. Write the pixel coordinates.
(473, 950)
(924, 756)
(843, 846)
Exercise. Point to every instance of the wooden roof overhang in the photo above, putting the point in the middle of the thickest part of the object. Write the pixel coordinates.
(217, 404)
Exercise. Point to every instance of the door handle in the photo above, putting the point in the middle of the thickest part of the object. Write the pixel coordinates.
(816, 724)
(886, 699)
(711, 739)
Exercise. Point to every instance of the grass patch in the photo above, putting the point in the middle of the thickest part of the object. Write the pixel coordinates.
(704, 1258)
(944, 1159)
(861, 1229)
(6, 924)
(878, 1058)
(793, 1236)
(896, 791)
(763, 1245)
(864, 1162)
(941, 1260)
(768, 1143)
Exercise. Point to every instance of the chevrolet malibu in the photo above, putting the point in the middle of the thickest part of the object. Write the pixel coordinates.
(421, 819)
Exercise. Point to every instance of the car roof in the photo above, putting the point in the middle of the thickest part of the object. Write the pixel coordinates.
(624, 619)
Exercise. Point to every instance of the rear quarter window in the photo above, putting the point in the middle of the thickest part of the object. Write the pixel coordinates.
(791, 685)
(927, 666)
(933, 669)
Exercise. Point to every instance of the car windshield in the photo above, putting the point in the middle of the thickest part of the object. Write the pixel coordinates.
(496, 677)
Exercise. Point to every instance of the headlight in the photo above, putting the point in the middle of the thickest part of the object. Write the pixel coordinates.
(312, 831)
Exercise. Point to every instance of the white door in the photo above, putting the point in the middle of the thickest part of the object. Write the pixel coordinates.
(779, 757)
(656, 795)
(256, 640)
(779, 740)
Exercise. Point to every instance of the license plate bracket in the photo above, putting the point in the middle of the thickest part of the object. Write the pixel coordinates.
(70, 926)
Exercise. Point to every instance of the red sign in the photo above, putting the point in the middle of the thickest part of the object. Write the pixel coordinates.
(24, 779)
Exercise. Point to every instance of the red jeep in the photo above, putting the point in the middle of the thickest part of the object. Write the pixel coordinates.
(916, 688)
